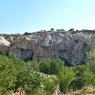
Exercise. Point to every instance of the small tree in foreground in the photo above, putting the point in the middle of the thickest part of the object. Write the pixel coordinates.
(66, 76)
(50, 66)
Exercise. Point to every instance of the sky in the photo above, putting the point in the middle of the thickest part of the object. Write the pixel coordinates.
(19, 16)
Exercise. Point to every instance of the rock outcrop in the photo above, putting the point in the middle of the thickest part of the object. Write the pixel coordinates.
(4, 42)
(71, 47)
(4, 45)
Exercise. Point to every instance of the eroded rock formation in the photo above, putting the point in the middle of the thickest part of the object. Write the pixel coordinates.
(71, 47)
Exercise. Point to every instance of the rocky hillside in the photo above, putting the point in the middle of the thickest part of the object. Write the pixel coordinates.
(71, 46)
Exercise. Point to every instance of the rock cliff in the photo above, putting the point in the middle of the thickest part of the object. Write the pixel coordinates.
(71, 47)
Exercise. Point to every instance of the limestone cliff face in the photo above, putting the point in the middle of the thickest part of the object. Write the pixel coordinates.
(71, 47)
(4, 45)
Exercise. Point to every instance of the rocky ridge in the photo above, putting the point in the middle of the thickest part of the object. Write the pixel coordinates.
(72, 47)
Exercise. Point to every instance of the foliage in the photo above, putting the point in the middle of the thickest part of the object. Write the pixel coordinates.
(42, 78)
(33, 65)
(50, 66)
(52, 29)
(71, 29)
(66, 76)
(49, 84)
(27, 33)
(91, 54)
(15, 74)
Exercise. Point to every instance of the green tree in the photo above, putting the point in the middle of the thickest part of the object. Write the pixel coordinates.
(66, 76)
(88, 78)
(91, 65)
(50, 66)
(71, 30)
(84, 76)
(90, 73)
(52, 29)
(79, 74)
(27, 33)
(44, 66)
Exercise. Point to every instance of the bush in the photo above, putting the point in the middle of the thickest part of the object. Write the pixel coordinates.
(50, 66)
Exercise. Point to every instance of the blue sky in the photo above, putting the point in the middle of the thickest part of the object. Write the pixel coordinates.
(19, 16)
